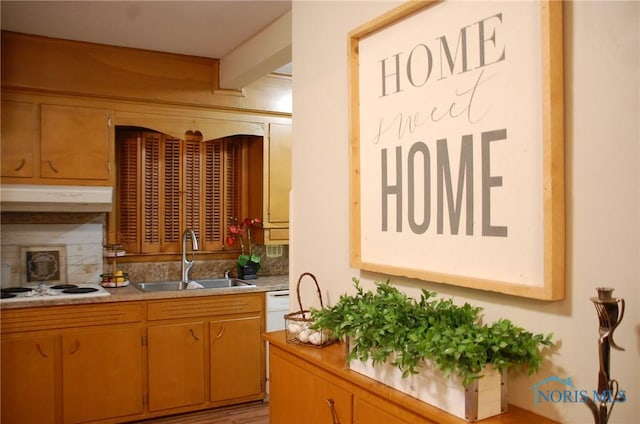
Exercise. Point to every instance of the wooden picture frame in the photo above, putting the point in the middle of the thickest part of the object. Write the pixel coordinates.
(457, 145)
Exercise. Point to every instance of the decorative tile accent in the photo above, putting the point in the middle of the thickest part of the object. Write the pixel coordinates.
(44, 264)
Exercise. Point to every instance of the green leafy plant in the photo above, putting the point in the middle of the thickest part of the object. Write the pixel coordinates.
(389, 326)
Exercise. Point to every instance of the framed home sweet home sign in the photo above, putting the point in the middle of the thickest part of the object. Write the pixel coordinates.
(457, 145)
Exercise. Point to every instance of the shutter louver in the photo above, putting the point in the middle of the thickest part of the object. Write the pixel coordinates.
(212, 237)
(171, 195)
(232, 181)
(192, 186)
(127, 189)
(151, 192)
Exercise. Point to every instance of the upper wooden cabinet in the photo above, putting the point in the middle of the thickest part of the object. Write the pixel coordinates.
(55, 144)
(277, 183)
(19, 129)
(74, 142)
(53, 65)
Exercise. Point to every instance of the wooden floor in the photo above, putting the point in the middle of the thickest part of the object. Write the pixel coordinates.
(250, 413)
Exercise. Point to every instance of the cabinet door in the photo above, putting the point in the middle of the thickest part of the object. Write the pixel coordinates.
(18, 138)
(74, 142)
(279, 174)
(176, 360)
(102, 374)
(28, 380)
(300, 395)
(237, 359)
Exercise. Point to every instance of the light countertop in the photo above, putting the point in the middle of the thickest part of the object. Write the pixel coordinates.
(131, 293)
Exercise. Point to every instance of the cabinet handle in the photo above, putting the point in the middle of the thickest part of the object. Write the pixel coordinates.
(74, 348)
(193, 334)
(332, 408)
(42, 352)
(23, 162)
(52, 167)
(220, 333)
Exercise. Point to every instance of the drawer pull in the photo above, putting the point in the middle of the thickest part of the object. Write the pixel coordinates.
(74, 348)
(22, 164)
(193, 334)
(220, 333)
(332, 408)
(42, 352)
(52, 167)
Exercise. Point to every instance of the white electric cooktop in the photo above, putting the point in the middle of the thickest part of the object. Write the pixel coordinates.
(51, 291)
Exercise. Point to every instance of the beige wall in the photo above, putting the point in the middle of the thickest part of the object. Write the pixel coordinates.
(603, 190)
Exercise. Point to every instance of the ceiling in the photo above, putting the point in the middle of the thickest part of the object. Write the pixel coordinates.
(212, 29)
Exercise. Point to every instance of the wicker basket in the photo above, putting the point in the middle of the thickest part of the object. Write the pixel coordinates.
(297, 324)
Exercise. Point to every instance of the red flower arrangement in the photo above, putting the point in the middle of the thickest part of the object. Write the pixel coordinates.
(238, 232)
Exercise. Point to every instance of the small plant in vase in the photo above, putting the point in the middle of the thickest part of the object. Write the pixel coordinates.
(248, 261)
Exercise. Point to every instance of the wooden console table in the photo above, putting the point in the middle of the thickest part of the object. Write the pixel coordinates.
(315, 386)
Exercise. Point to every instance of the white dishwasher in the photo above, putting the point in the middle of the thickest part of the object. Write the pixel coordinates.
(277, 306)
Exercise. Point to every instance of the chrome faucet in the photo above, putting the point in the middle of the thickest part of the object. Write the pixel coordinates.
(187, 263)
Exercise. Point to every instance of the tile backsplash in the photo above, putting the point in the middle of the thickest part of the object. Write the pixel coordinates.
(82, 249)
(80, 238)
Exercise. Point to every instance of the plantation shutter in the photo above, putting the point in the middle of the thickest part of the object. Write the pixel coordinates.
(151, 186)
(192, 179)
(232, 181)
(127, 186)
(170, 205)
(166, 185)
(212, 237)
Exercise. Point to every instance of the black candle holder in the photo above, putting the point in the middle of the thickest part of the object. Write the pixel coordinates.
(610, 312)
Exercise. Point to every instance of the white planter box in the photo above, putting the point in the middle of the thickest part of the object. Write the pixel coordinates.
(485, 398)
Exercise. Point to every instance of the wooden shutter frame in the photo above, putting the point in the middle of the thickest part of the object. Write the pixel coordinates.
(242, 179)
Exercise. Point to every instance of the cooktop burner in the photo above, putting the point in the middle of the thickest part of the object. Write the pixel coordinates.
(15, 289)
(44, 292)
(80, 290)
(64, 286)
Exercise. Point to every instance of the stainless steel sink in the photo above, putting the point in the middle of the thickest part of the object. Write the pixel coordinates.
(223, 283)
(218, 283)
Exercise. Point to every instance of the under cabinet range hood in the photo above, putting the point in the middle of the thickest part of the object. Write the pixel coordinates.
(55, 198)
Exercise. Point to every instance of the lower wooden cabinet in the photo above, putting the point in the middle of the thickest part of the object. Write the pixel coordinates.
(236, 352)
(176, 360)
(120, 362)
(28, 373)
(314, 386)
(101, 374)
(298, 394)
(205, 352)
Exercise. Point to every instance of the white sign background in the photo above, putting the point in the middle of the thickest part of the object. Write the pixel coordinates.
(504, 94)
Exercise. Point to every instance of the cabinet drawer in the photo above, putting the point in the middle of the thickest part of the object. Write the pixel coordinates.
(205, 306)
(55, 317)
(277, 234)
